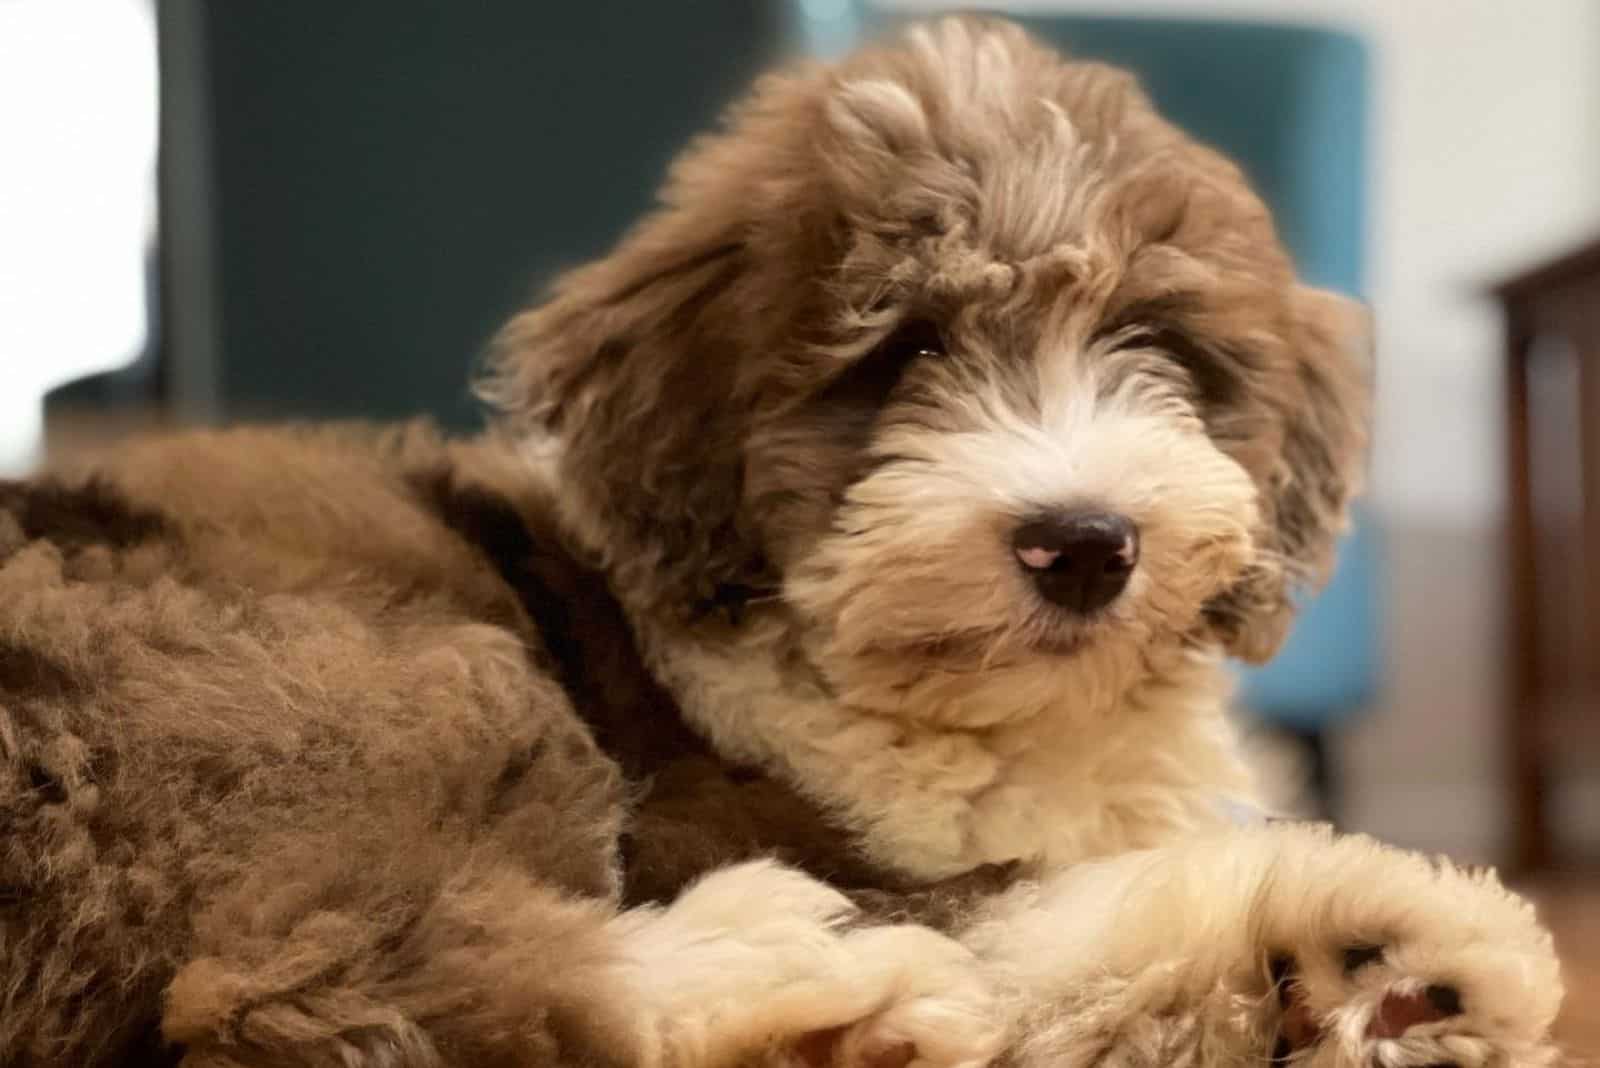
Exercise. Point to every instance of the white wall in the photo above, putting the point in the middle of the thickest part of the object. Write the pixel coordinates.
(1488, 158)
(77, 188)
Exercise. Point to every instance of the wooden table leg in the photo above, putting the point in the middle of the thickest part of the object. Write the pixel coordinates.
(1531, 837)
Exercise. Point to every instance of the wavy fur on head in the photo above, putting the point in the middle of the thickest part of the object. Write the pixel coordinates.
(702, 716)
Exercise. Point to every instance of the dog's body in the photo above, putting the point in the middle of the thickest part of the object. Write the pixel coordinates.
(746, 695)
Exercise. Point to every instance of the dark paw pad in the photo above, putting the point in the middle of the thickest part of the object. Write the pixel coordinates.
(1399, 1012)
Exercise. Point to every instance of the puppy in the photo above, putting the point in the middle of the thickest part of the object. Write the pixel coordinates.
(820, 663)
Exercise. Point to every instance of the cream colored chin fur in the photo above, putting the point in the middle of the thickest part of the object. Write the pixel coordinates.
(1059, 786)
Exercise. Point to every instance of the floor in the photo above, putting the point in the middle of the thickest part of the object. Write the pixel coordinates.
(1571, 907)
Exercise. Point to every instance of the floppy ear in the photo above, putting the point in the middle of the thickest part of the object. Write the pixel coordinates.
(642, 368)
(629, 371)
(1322, 406)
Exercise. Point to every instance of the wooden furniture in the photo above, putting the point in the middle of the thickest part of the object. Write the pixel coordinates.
(1552, 315)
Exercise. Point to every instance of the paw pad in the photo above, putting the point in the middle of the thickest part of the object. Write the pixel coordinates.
(1401, 1008)
(1399, 1012)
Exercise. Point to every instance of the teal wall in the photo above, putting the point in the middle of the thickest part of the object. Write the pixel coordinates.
(392, 180)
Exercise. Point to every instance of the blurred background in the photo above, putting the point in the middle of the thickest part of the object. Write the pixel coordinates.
(303, 209)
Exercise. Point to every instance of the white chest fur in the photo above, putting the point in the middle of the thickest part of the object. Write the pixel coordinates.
(1057, 787)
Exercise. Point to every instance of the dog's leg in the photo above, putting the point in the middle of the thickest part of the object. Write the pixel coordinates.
(760, 957)
(1281, 944)
(754, 964)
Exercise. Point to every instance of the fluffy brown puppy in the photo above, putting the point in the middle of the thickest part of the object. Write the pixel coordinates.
(822, 662)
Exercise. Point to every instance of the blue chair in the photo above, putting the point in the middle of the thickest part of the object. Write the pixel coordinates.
(1290, 104)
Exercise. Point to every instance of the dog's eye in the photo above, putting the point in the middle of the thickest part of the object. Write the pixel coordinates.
(871, 378)
(913, 340)
(1214, 379)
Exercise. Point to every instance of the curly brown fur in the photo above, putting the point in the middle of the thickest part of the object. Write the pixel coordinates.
(708, 712)
(220, 714)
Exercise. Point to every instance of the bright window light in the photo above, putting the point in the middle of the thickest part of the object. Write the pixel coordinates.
(78, 104)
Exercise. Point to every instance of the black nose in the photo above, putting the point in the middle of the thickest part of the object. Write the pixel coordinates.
(1081, 560)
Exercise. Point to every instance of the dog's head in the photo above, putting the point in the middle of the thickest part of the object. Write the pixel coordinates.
(987, 371)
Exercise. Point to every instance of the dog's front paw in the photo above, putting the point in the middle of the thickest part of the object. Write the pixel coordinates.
(758, 964)
(1410, 964)
(935, 1010)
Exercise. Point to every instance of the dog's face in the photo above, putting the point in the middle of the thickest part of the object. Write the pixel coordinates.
(999, 382)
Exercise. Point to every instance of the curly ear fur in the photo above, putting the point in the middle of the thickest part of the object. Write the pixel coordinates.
(1323, 410)
(620, 370)
(634, 368)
